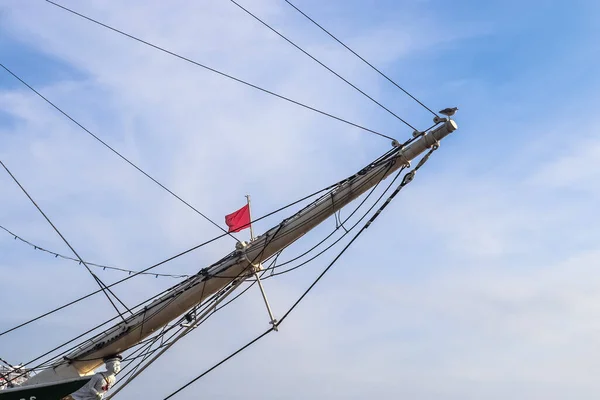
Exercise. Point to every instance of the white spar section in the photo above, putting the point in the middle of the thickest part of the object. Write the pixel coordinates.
(194, 290)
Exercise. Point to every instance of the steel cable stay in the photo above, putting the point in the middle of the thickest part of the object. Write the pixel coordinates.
(145, 270)
(346, 232)
(205, 313)
(404, 182)
(360, 57)
(45, 364)
(381, 159)
(216, 309)
(368, 195)
(324, 66)
(133, 356)
(229, 288)
(279, 265)
(220, 72)
(108, 267)
(145, 318)
(62, 355)
(380, 162)
(264, 271)
(408, 177)
(249, 286)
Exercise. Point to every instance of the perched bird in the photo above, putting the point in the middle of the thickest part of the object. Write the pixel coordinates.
(449, 111)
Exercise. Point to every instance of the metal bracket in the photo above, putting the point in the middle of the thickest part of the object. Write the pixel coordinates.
(264, 296)
(256, 268)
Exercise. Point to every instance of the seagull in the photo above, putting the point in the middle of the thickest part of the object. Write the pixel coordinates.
(449, 111)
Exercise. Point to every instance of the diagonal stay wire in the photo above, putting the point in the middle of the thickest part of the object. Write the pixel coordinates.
(405, 181)
(346, 232)
(164, 261)
(222, 362)
(219, 72)
(155, 313)
(357, 55)
(111, 285)
(324, 66)
(103, 287)
(115, 151)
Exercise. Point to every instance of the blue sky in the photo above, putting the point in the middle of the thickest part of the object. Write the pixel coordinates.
(479, 282)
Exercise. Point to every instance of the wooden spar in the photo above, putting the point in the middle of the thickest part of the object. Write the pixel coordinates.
(196, 289)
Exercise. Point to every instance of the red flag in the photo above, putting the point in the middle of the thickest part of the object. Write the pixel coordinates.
(239, 219)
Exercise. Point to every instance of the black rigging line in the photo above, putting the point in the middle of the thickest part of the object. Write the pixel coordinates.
(218, 72)
(377, 162)
(116, 152)
(207, 303)
(357, 55)
(58, 255)
(80, 336)
(275, 267)
(222, 361)
(293, 306)
(324, 66)
(165, 261)
(111, 285)
(103, 287)
(406, 180)
(272, 267)
(48, 362)
(167, 302)
(131, 327)
(166, 342)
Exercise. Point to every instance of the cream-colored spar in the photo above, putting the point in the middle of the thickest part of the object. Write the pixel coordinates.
(196, 289)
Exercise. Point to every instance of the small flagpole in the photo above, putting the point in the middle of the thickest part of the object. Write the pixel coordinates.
(250, 217)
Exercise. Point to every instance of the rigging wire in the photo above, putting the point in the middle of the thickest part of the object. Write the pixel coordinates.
(272, 267)
(54, 358)
(47, 363)
(264, 271)
(273, 273)
(102, 285)
(104, 267)
(215, 296)
(406, 180)
(323, 65)
(111, 285)
(216, 309)
(167, 260)
(226, 291)
(220, 72)
(357, 55)
(115, 151)
(222, 293)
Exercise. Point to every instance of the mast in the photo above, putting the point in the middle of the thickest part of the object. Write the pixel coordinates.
(233, 268)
